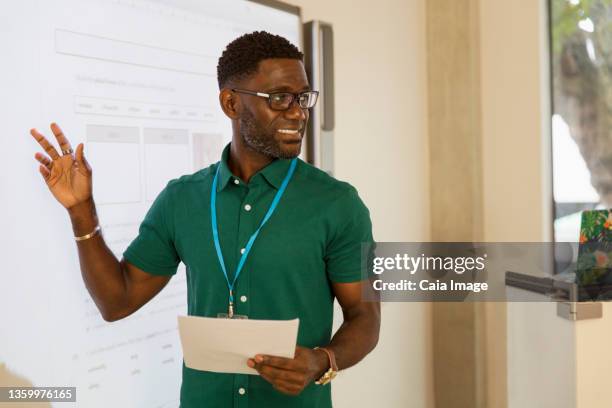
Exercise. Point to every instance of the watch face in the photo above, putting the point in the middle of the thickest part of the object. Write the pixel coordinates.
(327, 377)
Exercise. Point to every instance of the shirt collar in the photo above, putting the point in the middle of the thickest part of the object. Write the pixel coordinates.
(274, 173)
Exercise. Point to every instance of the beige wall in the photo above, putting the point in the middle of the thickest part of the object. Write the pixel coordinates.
(511, 192)
(454, 132)
(515, 120)
(552, 362)
(516, 194)
(381, 148)
(381, 53)
(537, 347)
(592, 360)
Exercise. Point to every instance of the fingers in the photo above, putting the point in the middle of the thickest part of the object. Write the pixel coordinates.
(44, 160)
(45, 144)
(79, 155)
(44, 172)
(80, 158)
(279, 362)
(284, 386)
(287, 388)
(291, 375)
(280, 374)
(281, 385)
(59, 135)
(289, 382)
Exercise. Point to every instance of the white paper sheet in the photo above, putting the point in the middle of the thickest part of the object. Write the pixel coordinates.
(225, 345)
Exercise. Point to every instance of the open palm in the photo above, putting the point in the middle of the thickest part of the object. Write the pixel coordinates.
(69, 176)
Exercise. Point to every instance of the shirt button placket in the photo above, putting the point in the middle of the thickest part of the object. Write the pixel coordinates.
(245, 229)
(247, 226)
(241, 394)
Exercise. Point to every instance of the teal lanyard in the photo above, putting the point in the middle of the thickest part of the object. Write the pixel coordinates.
(215, 230)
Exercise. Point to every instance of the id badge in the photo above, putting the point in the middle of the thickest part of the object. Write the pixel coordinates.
(226, 316)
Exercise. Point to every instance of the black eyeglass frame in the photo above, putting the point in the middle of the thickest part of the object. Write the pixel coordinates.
(268, 96)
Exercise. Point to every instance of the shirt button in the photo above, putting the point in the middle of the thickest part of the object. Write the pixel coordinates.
(247, 207)
(243, 298)
(242, 250)
(241, 391)
(236, 181)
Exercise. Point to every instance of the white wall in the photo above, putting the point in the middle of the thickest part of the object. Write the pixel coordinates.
(381, 148)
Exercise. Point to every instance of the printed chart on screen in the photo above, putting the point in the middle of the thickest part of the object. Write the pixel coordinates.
(135, 81)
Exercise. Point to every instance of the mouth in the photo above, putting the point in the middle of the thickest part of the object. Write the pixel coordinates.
(296, 133)
(289, 131)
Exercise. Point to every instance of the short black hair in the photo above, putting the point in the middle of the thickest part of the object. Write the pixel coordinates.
(241, 57)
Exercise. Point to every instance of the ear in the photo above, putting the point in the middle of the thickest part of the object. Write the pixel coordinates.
(230, 103)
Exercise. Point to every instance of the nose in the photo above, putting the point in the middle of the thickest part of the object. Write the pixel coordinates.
(295, 112)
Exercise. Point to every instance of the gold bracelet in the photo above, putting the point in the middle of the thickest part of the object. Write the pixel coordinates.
(331, 373)
(91, 234)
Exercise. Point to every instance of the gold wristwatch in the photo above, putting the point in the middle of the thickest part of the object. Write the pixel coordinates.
(333, 368)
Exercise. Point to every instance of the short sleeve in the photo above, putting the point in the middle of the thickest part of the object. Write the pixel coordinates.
(153, 249)
(352, 236)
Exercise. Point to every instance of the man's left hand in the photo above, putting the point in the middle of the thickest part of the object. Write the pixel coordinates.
(291, 375)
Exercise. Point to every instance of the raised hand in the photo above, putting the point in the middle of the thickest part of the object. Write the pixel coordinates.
(69, 178)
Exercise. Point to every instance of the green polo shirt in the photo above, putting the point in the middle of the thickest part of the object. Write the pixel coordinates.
(313, 238)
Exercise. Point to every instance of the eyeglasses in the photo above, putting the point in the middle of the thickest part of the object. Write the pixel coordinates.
(281, 101)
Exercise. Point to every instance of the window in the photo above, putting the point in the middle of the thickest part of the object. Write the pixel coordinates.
(581, 49)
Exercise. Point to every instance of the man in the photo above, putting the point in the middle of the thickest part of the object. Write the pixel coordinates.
(307, 253)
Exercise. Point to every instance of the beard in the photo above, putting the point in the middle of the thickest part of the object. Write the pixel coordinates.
(256, 138)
